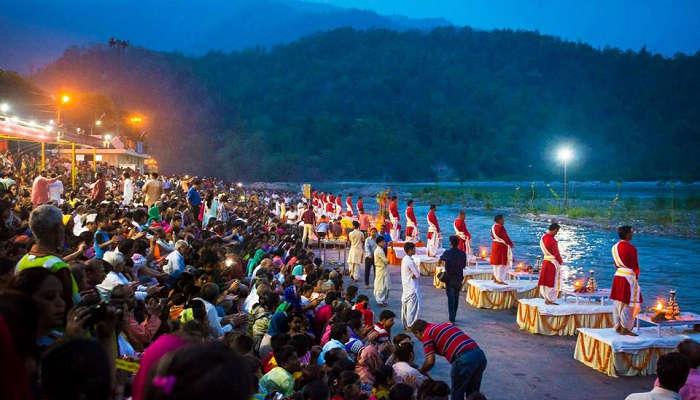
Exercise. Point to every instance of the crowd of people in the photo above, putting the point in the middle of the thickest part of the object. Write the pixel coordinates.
(140, 286)
(148, 287)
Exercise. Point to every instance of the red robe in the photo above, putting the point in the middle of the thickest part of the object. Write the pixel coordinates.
(360, 206)
(499, 251)
(339, 204)
(329, 204)
(549, 272)
(348, 205)
(394, 209)
(432, 218)
(461, 226)
(410, 216)
(621, 290)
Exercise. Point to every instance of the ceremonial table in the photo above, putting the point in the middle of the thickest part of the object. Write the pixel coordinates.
(601, 294)
(426, 265)
(563, 319)
(479, 272)
(522, 275)
(395, 251)
(489, 294)
(620, 355)
(685, 319)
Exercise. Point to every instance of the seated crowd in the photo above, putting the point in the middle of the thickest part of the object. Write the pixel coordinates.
(183, 289)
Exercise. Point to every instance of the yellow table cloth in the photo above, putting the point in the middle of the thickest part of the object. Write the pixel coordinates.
(486, 294)
(616, 355)
(534, 316)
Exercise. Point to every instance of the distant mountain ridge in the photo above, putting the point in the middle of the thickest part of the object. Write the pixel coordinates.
(32, 39)
(377, 104)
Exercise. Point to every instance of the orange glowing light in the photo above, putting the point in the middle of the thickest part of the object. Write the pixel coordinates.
(484, 252)
(65, 98)
(578, 283)
(136, 119)
(659, 306)
(521, 265)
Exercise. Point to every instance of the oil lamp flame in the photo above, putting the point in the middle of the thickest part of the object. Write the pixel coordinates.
(484, 252)
(659, 306)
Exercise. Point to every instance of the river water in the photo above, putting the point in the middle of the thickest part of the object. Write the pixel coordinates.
(666, 262)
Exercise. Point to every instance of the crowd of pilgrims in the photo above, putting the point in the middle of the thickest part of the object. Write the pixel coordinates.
(135, 285)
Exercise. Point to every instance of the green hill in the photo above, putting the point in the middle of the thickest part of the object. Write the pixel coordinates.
(378, 104)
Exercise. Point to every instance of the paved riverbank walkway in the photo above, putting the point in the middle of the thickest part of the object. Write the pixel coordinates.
(520, 365)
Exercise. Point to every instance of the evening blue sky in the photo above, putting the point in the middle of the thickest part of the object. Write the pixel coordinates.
(664, 26)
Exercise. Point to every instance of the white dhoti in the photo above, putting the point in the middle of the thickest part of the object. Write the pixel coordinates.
(549, 293)
(394, 231)
(624, 314)
(410, 307)
(381, 284)
(433, 244)
(500, 272)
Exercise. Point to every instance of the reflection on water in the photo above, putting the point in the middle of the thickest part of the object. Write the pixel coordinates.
(666, 262)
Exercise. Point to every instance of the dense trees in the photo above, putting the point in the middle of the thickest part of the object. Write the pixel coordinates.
(378, 104)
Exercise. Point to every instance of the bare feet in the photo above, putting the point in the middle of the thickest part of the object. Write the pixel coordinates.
(625, 331)
(499, 282)
(551, 303)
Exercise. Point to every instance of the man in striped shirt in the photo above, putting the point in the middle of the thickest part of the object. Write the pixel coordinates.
(460, 350)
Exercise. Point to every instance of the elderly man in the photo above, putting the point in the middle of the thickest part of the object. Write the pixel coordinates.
(46, 224)
(175, 261)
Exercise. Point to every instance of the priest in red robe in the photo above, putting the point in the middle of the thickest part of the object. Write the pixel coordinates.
(501, 250)
(360, 204)
(394, 218)
(348, 206)
(550, 275)
(625, 292)
(411, 223)
(338, 206)
(433, 233)
(463, 234)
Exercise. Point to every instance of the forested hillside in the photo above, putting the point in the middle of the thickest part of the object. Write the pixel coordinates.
(378, 104)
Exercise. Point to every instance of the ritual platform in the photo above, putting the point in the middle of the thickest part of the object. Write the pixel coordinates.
(619, 355)
(488, 294)
(479, 272)
(395, 251)
(564, 319)
(426, 265)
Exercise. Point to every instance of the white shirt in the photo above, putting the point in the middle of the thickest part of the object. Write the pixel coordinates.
(405, 373)
(658, 393)
(175, 265)
(214, 320)
(128, 191)
(408, 272)
(114, 279)
(55, 191)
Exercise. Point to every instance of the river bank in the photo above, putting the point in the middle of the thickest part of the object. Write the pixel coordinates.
(657, 208)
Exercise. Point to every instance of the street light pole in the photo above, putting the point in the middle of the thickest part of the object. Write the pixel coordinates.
(565, 187)
(565, 154)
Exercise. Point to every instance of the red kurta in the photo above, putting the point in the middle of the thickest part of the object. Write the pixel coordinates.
(360, 206)
(432, 219)
(549, 272)
(410, 216)
(621, 290)
(394, 209)
(348, 205)
(499, 251)
(461, 226)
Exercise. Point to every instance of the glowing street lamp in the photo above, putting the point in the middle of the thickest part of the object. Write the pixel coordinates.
(106, 141)
(98, 122)
(136, 119)
(565, 154)
(4, 107)
(65, 99)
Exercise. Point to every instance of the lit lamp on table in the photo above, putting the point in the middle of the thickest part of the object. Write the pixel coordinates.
(483, 253)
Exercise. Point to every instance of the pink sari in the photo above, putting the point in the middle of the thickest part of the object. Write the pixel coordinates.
(368, 361)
